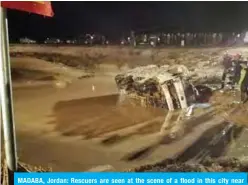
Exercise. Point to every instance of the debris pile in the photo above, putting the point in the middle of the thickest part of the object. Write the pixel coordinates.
(209, 165)
(164, 86)
(22, 167)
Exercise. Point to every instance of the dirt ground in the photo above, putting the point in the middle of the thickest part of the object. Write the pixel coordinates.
(68, 115)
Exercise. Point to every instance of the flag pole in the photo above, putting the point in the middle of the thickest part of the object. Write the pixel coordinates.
(6, 98)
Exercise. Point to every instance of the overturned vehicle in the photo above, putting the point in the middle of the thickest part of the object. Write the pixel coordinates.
(158, 86)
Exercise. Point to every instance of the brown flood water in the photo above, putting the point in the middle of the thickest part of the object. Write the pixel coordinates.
(112, 122)
(104, 118)
(93, 117)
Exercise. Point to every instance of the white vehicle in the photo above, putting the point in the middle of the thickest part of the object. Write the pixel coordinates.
(27, 41)
(52, 41)
(70, 41)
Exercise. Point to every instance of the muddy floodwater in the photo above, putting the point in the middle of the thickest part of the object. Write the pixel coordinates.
(78, 128)
(96, 116)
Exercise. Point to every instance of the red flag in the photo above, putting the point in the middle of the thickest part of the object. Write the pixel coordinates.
(37, 7)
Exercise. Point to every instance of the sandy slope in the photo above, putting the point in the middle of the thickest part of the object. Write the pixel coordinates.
(33, 70)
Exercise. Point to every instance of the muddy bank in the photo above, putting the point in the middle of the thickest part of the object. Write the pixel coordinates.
(68, 60)
(83, 56)
(28, 70)
(91, 57)
(19, 75)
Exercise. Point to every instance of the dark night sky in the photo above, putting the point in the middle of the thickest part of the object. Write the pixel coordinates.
(113, 18)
